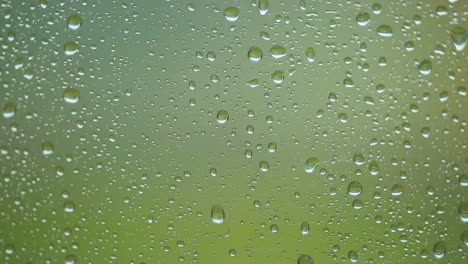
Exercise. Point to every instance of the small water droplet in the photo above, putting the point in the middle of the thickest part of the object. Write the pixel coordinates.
(305, 228)
(310, 54)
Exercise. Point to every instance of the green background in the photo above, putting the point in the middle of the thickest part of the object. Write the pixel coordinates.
(137, 149)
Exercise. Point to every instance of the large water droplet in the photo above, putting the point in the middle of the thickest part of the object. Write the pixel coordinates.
(71, 48)
(217, 214)
(311, 164)
(74, 22)
(305, 228)
(278, 51)
(305, 259)
(425, 67)
(363, 19)
(354, 188)
(9, 110)
(459, 37)
(231, 14)
(255, 54)
(263, 7)
(222, 116)
(439, 250)
(71, 95)
(385, 31)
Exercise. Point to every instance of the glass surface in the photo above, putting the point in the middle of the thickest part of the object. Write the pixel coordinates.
(256, 131)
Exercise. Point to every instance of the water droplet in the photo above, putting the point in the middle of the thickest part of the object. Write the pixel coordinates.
(348, 83)
(180, 244)
(9, 110)
(232, 252)
(71, 48)
(9, 249)
(353, 256)
(278, 51)
(311, 164)
(255, 54)
(70, 259)
(357, 204)
(463, 211)
(222, 117)
(305, 259)
(358, 159)
(305, 228)
(374, 168)
(439, 250)
(217, 214)
(459, 37)
(272, 147)
(425, 67)
(69, 207)
(71, 95)
(464, 180)
(264, 166)
(397, 190)
(47, 148)
(310, 54)
(274, 228)
(385, 31)
(278, 76)
(231, 14)
(363, 19)
(377, 8)
(354, 188)
(74, 22)
(464, 238)
(263, 7)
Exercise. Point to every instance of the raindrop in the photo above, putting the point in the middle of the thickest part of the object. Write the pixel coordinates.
(74, 22)
(463, 211)
(47, 148)
(374, 168)
(217, 214)
(305, 259)
(354, 188)
(255, 54)
(305, 228)
(425, 67)
(278, 51)
(311, 164)
(439, 250)
(9, 110)
(353, 256)
(385, 31)
(310, 54)
(71, 48)
(459, 37)
(363, 19)
(222, 117)
(231, 14)
(264, 166)
(71, 95)
(263, 7)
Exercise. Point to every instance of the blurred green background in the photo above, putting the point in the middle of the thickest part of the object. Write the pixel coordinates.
(115, 147)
